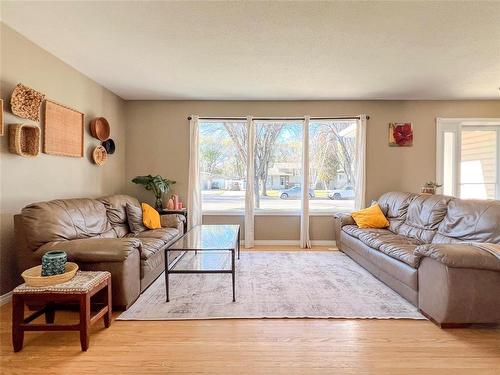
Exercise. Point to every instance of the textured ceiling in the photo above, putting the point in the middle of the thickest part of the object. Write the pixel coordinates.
(273, 50)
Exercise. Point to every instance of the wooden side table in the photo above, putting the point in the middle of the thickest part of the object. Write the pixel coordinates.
(79, 289)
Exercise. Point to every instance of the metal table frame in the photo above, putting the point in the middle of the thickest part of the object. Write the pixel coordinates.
(169, 269)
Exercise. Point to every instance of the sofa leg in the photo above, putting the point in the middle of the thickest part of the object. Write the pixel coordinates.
(444, 325)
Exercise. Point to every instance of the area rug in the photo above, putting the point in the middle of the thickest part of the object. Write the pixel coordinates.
(275, 284)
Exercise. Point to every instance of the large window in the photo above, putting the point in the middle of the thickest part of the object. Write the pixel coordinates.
(468, 158)
(223, 165)
(278, 165)
(332, 148)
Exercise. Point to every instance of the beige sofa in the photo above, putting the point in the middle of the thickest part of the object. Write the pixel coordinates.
(95, 234)
(432, 254)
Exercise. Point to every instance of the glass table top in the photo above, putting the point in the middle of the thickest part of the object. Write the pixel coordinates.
(203, 261)
(208, 237)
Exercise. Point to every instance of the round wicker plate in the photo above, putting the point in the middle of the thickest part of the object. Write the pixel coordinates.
(33, 276)
(99, 128)
(100, 155)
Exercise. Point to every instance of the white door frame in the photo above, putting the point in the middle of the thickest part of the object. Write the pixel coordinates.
(455, 126)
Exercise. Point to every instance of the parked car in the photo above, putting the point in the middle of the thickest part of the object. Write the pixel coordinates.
(345, 193)
(295, 192)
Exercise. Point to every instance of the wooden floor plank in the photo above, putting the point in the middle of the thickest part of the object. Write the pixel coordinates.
(255, 346)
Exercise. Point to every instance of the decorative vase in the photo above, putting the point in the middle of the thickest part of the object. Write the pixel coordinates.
(170, 204)
(53, 263)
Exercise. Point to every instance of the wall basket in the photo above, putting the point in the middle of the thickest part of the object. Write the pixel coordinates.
(24, 140)
(26, 102)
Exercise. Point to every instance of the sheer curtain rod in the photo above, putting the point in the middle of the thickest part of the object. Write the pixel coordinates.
(281, 118)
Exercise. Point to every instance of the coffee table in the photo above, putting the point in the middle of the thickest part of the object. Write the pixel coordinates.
(204, 239)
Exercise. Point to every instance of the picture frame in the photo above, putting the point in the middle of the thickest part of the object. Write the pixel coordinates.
(63, 130)
(400, 134)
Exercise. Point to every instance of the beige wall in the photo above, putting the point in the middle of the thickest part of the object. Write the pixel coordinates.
(158, 142)
(45, 177)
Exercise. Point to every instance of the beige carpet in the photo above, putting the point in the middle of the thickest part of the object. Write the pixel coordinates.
(274, 284)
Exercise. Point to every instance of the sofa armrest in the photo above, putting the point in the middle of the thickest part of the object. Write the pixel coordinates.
(172, 220)
(344, 219)
(460, 255)
(94, 249)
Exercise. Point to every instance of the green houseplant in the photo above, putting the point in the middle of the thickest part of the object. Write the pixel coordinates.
(157, 184)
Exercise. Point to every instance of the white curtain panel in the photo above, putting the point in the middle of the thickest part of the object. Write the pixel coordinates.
(194, 190)
(305, 241)
(249, 192)
(360, 176)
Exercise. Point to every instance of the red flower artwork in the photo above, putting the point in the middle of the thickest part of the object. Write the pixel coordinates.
(402, 134)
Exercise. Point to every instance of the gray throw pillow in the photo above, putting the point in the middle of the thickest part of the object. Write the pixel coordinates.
(134, 217)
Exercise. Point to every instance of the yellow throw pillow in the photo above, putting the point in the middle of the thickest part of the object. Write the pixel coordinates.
(371, 217)
(150, 217)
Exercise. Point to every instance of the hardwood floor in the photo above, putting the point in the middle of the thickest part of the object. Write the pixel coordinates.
(255, 346)
(289, 346)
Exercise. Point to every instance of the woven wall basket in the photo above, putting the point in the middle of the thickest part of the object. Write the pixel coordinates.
(26, 102)
(100, 155)
(24, 140)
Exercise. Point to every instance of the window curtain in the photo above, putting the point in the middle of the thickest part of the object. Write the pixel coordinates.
(194, 191)
(305, 241)
(360, 168)
(249, 191)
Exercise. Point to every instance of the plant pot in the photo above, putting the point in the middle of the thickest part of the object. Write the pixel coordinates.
(159, 204)
(428, 190)
(53, 263)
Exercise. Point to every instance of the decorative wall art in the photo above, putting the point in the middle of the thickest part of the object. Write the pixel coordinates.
(400, 134)
(26, 102)
(24, 140)
(63, 130)
(99, 128)
(100, 155)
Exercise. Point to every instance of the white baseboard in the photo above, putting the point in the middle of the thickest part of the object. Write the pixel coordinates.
(331, 243)
(5, 298)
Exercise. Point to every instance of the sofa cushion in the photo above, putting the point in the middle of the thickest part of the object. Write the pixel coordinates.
(64, 219)
(403, 252)
(424, 215)
(377, 237)
(116, 212)
(371, 217)
(150, 246)
(150, 217)
(355, 231)
(94, 249)
(166, 235)
(470, 220)
(134, 218)
(376, 240)
(394, 205)
(386, 264)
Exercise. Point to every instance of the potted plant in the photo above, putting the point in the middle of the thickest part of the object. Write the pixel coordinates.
(430, 187)
(157, 184)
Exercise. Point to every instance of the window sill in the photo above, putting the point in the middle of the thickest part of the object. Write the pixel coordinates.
(273, 213)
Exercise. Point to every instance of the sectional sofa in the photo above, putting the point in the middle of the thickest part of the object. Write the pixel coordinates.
(440, 253)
